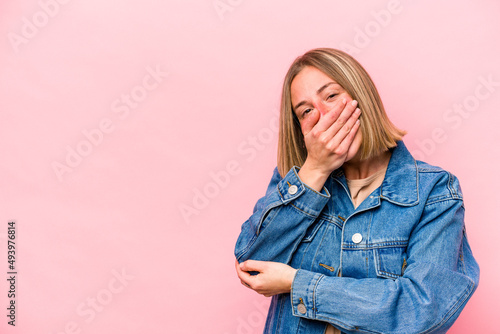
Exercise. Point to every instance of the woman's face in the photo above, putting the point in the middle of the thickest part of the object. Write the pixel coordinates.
(313, 94)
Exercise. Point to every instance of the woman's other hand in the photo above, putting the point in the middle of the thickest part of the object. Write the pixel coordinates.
(273, 278)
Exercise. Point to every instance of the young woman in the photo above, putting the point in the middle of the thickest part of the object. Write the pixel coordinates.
(353, 234)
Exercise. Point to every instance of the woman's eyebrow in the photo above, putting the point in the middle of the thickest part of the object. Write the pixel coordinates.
(322, 88)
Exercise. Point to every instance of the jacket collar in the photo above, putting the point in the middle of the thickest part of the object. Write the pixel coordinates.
(400, 185)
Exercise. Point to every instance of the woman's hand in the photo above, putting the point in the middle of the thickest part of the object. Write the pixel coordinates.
(273, 278)
(328, 139)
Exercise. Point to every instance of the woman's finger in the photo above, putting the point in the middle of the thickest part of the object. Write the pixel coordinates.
(339, 132)
(253, 265)
(347, 113)
(245, 284)
(338, 114)
(349, 138)
(241, 273)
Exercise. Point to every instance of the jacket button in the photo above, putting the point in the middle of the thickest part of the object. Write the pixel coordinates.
(302, 308)
(293, 189)
(356, 238)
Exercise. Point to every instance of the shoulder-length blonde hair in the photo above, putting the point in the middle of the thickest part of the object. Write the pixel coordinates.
(378, 133)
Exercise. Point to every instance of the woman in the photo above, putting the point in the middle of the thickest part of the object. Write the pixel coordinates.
(353, 234)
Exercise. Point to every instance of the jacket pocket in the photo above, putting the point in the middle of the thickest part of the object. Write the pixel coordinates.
(390, 262)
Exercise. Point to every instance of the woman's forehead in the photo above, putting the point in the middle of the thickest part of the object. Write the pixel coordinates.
(311, 80)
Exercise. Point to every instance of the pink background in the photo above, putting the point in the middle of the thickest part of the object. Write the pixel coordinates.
(165, 168)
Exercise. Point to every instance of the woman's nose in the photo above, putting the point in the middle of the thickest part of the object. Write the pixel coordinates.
(321, 107)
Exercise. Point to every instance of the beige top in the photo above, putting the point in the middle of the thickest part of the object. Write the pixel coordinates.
(360, 189)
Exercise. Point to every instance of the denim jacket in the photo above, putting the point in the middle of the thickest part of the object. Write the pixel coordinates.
(398, 263)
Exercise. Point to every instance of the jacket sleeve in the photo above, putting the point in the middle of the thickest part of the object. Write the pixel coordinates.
(280, 219)
(440, 277)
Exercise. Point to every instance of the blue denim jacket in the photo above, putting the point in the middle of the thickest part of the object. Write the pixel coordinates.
(398, 263)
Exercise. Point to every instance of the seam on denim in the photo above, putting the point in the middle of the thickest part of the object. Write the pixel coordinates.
(367, 266)
(257, 231)
(450, 185)
(443, 200)
(298, 325)
(368, 238)
(291, 290)
(440, 198)
(376, 260)
(303, 256)
(315, 309)
(399, 203)
(461, 255)
(354, 247)
(341, 255)
(417, 178)
(430, 169)
(391, 243)
(329, 219)
(383, 272)
(264, 215)
(318, 248)
(343, 186)
(319, 193)
(318, 223)
(390, 275)
(336, 224)
(461, 300)
(268, 214)
(279, 192)
(306, 213)
(344, 325)
(245, 250)
(280, 308)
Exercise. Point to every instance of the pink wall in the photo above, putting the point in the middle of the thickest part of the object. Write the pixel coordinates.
(116, 116)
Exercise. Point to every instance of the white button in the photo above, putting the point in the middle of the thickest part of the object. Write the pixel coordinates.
(356, 238)
(293, 189)
(302, 308)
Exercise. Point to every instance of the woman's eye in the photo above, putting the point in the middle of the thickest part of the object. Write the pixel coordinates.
(305, 112)
(331, 96)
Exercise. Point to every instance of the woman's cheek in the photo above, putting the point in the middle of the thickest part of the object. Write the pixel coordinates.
(310, 120)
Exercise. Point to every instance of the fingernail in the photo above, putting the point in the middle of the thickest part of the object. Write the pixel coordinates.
(344, 101)
(354, 103)
(357, 111)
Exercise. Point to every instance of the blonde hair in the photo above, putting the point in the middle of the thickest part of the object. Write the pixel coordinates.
(378, 133)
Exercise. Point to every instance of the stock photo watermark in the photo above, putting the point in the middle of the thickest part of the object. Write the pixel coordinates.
(222, 7)
(87, 310)
(31, 26)
(122, 107)
(254, 319)
(248, 150)
(363, 36)
(12, 271)
(455, 116)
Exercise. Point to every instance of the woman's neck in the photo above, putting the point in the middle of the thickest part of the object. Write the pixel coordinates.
(356, 168)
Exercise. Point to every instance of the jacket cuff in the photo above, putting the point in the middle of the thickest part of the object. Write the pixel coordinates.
(303, 293)
(293, 190)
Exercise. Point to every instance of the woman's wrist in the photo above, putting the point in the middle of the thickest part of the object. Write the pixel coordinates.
(314, 178)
